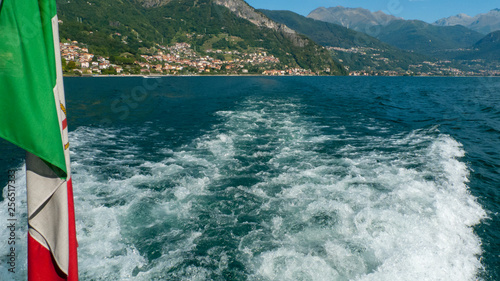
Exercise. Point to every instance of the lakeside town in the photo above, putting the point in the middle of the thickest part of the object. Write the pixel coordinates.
(183, 59)
(178, 59)
(424, 68)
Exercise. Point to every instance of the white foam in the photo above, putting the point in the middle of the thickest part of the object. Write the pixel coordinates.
(287, 264)
(403, 225)
(107, 205)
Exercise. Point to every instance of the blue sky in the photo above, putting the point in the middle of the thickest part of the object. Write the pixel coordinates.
(426, 10)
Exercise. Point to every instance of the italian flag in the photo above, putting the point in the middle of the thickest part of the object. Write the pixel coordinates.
(33, 116)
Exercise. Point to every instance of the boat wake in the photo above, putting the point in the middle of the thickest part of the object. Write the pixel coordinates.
(271, 194)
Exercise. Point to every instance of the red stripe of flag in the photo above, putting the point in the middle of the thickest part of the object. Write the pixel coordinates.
(42, 265)
(64, 123)
(73, 243)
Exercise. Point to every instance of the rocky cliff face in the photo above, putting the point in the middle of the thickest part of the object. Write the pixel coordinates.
(153, 3)
(241, 9)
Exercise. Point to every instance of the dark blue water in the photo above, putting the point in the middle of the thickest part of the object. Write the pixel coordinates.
(253, 178)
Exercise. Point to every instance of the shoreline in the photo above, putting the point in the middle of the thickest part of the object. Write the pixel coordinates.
(261, 75)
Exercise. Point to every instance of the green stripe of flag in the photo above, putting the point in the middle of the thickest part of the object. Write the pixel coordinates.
(28, 113)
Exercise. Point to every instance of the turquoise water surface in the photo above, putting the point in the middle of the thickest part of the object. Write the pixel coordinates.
(256, 178)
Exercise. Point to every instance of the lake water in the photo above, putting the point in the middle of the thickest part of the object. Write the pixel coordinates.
(291, 178)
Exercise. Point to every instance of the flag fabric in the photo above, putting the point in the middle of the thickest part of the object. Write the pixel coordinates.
(33, 117)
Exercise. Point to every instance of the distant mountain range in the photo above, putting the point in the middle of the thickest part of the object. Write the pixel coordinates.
(483, 23)
(424, 38)
(412, 35)
(403, 44)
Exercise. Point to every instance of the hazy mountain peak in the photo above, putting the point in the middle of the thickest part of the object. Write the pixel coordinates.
(463, 16)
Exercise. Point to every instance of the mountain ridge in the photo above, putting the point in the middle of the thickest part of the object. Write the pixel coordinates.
(484, 23)
(358, 19)
(485, 49)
